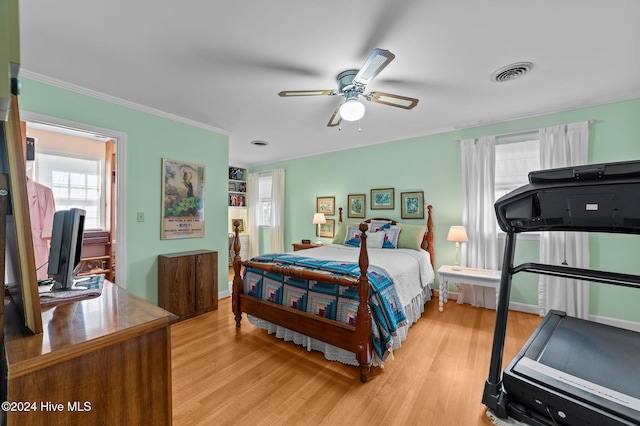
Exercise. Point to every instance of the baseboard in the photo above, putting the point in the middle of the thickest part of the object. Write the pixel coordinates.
(224, 294)
(629, 325)
(513, 306)
(523, 307)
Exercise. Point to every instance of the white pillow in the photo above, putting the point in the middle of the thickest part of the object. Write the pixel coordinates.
(375, 239)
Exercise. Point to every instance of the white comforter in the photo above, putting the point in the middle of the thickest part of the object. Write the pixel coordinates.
(410, 270)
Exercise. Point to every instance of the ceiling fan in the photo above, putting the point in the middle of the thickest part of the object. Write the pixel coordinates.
(352, 84)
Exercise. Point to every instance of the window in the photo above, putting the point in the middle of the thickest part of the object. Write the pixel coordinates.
(516, 156)
(264, 206)
(76, 181)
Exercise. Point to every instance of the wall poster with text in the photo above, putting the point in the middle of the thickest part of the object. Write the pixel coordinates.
(182, 199)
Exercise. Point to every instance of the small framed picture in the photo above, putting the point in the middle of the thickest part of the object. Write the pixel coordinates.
(356, 205)
(412, 205)
(240, 226)
(382, 199)
(326, 205)
(232, 187)
(326, 230)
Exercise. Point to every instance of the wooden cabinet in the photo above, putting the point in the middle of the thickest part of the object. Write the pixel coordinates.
(188, 282)
(237, 187)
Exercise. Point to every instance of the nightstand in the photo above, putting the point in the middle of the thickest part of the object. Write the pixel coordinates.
(475, 276)
(304, 246)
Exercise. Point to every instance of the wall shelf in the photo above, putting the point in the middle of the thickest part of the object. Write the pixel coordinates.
(237, 187)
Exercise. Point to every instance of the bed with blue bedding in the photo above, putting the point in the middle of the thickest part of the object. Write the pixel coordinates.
(313, 297)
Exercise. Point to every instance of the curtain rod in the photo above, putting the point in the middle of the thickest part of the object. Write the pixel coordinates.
(591, 121)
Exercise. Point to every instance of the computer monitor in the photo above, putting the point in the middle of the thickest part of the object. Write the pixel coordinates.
(66, 247)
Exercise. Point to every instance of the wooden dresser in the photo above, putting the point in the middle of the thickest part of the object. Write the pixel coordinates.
(104, 360)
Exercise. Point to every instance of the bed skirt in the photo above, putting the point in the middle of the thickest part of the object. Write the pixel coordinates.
(413, 311)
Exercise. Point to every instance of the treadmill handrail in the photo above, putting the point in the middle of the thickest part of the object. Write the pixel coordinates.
(606, 277)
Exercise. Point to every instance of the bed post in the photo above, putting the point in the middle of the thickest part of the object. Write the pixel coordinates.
(237, 279)
(363, 317)
(429, 236)
(339, 215)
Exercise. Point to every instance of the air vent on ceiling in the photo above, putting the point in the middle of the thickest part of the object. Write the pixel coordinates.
(259, 143)
(511, 72)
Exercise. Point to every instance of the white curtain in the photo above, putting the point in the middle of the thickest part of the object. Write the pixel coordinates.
(276, 234)
(478, 215)
(253, 213)
(562, 146)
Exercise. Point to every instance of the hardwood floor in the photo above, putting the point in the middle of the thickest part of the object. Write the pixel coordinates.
(223, 375)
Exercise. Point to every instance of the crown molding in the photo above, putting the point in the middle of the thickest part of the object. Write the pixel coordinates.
(118, 101)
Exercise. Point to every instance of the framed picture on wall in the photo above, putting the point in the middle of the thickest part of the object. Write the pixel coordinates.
(326, 230)
(412, 205)
(182, 200)
(382, 199)
(326, 205)
(240, 225)
(356, 203)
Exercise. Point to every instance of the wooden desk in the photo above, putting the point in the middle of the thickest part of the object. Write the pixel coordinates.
(105, 360)
(475, 276)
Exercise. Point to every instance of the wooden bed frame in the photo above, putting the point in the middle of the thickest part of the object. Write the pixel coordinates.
(354, 339)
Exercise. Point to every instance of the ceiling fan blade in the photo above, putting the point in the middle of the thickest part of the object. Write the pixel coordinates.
(378, 59)
(287, 93)
(393, 100)
(335, 118)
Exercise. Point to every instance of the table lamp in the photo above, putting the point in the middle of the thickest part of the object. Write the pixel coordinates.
(458, 235)
(318, 218)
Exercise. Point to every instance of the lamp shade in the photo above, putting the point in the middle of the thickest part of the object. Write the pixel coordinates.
(351, 110)
(457, 234)
(319, 218)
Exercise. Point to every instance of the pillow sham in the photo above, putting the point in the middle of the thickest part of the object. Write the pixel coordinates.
(342, 232)
(392, 234)
(353, 238)
(377, 225)
(411, 236)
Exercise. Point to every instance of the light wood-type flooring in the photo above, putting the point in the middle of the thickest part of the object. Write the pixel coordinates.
(228, 376)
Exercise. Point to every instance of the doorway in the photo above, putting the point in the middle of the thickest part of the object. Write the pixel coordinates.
(84, 167)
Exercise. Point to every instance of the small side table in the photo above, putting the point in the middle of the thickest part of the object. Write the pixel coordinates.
(304, 246)
(474, 276)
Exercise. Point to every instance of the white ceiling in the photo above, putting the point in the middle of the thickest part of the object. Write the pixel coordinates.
(222, 63)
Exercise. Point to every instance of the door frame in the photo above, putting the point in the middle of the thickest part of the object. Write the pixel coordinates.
(120, 139)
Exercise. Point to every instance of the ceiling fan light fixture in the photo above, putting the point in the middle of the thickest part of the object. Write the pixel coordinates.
(352, 110)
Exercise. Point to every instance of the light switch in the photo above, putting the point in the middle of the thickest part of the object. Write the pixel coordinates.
(140, 216)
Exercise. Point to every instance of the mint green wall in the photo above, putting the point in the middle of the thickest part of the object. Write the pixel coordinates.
(149, 139)
(432, 163)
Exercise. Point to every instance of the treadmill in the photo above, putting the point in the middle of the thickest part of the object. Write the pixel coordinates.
(571, 371)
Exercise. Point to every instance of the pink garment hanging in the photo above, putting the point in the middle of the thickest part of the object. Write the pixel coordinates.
(41, 209)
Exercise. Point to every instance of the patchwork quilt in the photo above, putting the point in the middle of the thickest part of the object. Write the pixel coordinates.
(330, 300)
